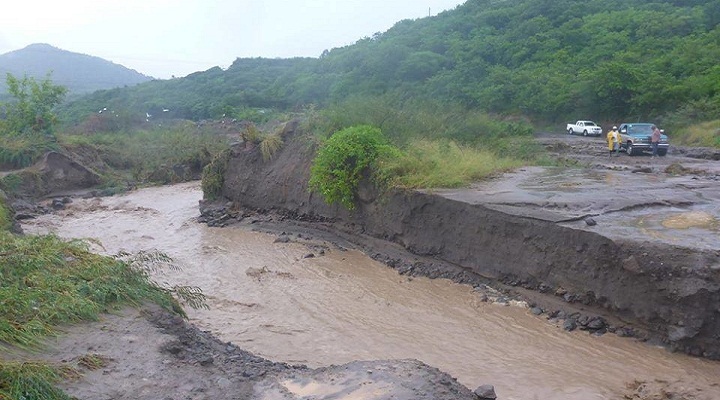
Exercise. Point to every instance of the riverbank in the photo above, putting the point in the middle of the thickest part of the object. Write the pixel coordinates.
(151, 354)
(635, 285)
(311, 298)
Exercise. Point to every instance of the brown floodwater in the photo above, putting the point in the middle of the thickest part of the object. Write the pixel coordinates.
(340, 306)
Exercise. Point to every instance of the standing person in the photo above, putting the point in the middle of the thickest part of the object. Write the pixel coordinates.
(613, 139)
(655, 140)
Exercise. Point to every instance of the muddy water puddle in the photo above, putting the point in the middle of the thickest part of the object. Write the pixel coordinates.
(336, 306)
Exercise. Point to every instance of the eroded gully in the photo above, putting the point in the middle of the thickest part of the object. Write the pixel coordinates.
(268, 298)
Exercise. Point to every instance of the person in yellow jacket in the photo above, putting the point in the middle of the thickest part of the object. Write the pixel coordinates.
(613, 139)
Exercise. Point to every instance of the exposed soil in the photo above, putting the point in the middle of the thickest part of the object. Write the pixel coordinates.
(155, 355)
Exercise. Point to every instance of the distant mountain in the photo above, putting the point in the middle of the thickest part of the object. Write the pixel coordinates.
(79, 73)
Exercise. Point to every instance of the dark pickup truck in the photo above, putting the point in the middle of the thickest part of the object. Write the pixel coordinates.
(635, 138)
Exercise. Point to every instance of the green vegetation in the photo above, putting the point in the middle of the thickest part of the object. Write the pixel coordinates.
(445, 164)
(344, 158)
(29, 380)
(27, 129)
(446, 150)
(270, 145)
(705, 134)
(148, 155)
(6, 218)
(549, 60)
(46, 281)
(213, 175)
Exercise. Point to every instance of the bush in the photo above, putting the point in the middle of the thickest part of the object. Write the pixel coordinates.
(213, 176)
(344, 159)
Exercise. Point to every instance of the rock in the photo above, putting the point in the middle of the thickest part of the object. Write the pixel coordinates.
(630, 264)
(676, 333)
(596, 323)
(205, 361)
(57, 204)
(282, 239)
(485, 392)
(590, 222)
(536, 310)
(569, 325)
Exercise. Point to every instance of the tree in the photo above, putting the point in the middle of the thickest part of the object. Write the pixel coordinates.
(31, 112)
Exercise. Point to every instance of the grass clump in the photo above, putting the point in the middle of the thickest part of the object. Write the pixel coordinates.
(345, 158)
(47, 281)
(19, 151)
(445, 164)
(269, 145)
(6, 217)
(213, 175)
(29, 380)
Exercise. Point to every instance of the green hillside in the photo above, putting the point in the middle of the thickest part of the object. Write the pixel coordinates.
(549, 60)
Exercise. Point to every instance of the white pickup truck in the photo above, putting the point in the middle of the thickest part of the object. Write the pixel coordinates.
(586, 128)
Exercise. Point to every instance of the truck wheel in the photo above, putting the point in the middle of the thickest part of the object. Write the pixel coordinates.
(585, 132)
(662, 152)
(629, 149)
(570, 131)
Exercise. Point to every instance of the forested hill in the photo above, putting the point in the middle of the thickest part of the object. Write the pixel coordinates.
(547, 59)
(79, 73)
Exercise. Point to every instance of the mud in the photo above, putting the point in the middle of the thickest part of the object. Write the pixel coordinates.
(533, 234)
(152, 354)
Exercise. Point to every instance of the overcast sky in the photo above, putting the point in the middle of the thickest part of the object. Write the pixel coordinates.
(162, 38)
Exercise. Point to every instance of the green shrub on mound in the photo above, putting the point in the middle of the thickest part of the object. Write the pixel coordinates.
(344, 159)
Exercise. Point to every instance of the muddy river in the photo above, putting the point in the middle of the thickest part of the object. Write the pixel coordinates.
(272, 299)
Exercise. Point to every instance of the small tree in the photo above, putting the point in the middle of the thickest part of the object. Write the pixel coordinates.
(344, 158)
(27, 122)
(31, 112)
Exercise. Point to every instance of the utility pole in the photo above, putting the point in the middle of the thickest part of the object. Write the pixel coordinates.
(428, 11)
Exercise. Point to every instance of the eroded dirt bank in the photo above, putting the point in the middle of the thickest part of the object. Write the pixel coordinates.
(299, 299)
(629, 284)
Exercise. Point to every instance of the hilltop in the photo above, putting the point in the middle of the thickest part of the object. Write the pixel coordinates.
(79, 73)
(546, 60)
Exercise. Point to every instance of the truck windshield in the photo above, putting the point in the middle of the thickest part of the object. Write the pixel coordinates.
(640, 129)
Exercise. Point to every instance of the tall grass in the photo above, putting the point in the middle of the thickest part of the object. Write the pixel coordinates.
(444, 164)
(706, 134)
(29, 380)
(143, 152)
(48, 281)
(6, 217)
(18, 151)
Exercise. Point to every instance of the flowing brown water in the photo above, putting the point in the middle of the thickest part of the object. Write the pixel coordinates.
(343, 306)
